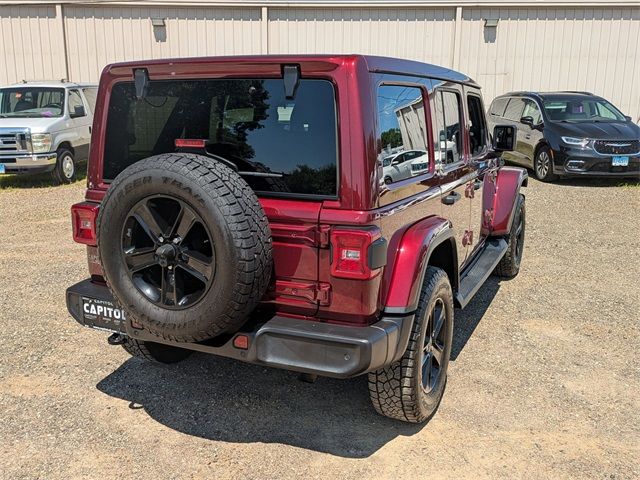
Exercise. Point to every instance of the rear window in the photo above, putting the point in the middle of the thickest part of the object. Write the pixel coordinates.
(289, 145)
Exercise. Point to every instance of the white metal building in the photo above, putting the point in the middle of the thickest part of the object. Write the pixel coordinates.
(503, 44)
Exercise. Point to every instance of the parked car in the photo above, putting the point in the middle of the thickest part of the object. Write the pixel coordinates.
(242, 213)
(569, 134)
(45, 127)
(402, 165)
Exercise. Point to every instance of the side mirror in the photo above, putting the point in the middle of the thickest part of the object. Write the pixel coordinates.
(78, 111)
(628, 118)
(527, 121)
(504, 138)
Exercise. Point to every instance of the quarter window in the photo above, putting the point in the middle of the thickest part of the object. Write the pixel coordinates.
(446, 125)
(402, 141)
(478, 128)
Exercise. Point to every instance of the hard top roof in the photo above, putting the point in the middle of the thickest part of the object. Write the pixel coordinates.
(373, 63)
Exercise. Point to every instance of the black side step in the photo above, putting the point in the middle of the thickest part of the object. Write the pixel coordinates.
(475, 274)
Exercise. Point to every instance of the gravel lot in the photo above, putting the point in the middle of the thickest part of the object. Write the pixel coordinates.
(544, 381)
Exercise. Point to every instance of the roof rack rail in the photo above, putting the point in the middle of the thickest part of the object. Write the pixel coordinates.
(577, 91)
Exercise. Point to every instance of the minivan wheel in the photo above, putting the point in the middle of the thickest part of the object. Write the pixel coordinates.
(65, 169)
(411, 388)
(155, 352)
(543, 166)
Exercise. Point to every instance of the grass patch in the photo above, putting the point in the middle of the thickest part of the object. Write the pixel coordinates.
(39, 180)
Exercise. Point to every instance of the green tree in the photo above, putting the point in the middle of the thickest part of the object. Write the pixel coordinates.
(391, 138)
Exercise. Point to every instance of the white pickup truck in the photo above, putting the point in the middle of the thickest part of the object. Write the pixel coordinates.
(45, 127)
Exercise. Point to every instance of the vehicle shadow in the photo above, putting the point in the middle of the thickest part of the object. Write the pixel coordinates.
(593, 182)
(468, 319)
(224, 400)
(39, 180)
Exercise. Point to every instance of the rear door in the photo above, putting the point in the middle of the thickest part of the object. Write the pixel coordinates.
(449, 132)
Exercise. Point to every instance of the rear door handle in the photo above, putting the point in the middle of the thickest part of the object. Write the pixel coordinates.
(527, 136)
(452, 198)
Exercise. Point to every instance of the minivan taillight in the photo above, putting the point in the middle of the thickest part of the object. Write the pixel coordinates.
(83, 218)
(355, 253)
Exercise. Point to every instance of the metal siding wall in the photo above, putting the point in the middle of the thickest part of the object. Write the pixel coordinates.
(418, 34)
(97, 36)
(31, 45)
(593, 49)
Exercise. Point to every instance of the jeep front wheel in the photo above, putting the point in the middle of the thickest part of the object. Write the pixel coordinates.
(509, 266)
(411, 388)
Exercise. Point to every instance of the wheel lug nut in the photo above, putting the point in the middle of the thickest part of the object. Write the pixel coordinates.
(161, 239)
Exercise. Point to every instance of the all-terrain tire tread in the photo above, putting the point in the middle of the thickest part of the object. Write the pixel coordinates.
(248, 225)
(392, 389)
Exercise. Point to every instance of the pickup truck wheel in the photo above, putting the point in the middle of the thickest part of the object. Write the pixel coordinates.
(411, 388)
(155, 352)
(185, 246)
(65, 169)
(543, 166)
(509, 266)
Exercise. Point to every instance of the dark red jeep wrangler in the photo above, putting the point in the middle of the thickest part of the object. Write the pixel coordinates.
(323, 214)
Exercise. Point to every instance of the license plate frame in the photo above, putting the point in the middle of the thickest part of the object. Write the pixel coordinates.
(620, 161)
(102, 314)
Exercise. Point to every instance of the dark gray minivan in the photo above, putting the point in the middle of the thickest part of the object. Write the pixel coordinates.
(569, 134)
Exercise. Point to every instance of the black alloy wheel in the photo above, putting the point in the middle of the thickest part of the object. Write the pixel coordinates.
(168, 252)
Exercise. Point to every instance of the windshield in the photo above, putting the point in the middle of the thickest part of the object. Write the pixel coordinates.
(289, 144)
(578, 110)
(32, 102)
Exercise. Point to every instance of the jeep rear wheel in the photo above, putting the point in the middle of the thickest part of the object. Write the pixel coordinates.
(185, 246)
(155, 352)
(411, 389)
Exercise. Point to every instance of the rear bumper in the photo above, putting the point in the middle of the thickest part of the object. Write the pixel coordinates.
(301, 345)
(36, 163)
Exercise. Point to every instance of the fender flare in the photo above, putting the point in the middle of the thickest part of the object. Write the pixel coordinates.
(412, 255)
(502, 200)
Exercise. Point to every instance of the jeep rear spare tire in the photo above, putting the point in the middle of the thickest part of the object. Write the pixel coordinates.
(185, 246)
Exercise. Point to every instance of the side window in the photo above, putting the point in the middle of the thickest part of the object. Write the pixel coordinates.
(91, 94)
(498, 106)
(75, 100)
(514, 109)
(531, 110)
(446, 126)
(478, 128)
(402, 128)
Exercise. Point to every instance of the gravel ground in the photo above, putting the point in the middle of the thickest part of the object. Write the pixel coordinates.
(544, 380)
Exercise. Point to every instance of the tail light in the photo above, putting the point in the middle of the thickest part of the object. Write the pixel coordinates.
(357, 254)
(83, 218)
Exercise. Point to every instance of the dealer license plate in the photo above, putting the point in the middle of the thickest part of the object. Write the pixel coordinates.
(103, 314)
(2, 170)
(620, 161)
